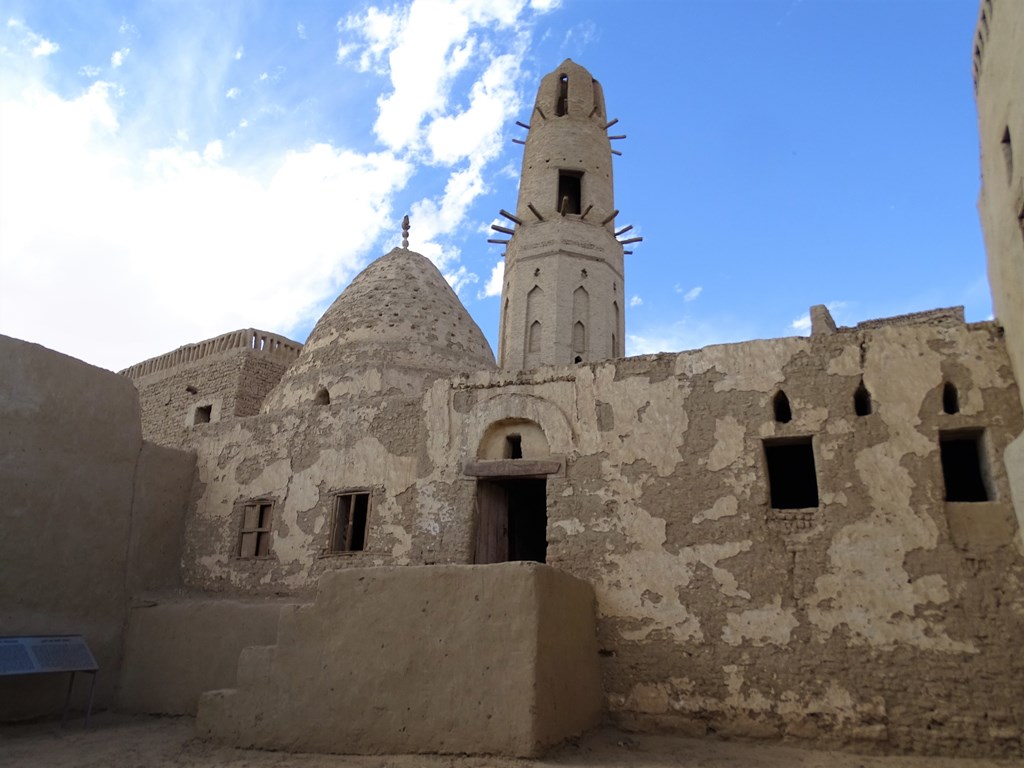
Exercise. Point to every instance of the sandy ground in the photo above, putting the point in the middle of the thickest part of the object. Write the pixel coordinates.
(120, 741)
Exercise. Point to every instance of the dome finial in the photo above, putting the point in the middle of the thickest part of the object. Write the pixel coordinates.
(405, 231)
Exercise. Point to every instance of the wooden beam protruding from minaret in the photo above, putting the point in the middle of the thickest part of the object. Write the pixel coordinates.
(629, 240)
(616, 152)
(611, 216)
(624, 230)
(610, 123)
(523, 125)
(503, 230)
(510, 217)
(503, 242)
(535, 212)
(519, 141)
(564, 206)
(619, 136)
(541, 113)
(582, 217)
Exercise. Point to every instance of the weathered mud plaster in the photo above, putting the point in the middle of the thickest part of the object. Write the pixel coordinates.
(498, 659)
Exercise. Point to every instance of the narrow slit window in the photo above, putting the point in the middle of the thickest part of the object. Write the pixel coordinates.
(562, 104)
(254, 538)
(792, 477)
(862, 401)
(514, 446)
(950, 398)
(1008, 154)
(570, 187)
(780, 405)
(351, 511)
(962, 468)
(579, 337)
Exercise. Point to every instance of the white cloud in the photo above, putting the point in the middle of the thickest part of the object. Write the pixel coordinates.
(232, 93)
(243, 123)
(636, 301)
(300, 28)
(239, 53)
(38, 45)
(460, 278)
(423, 48)
(117, 57)
(123, 278)
(214, 152)
(45, 47)
(87, 71)
(264, 76)
(494, 283)
(693, 293)
(802, 323)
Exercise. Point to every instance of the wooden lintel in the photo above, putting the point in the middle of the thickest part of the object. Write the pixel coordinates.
(512, 467)
(535, 212)
(510, 217)
(503, 230)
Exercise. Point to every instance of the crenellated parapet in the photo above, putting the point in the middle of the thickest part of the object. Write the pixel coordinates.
(282, 349)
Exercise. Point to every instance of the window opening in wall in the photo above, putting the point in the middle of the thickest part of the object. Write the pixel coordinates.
(254, 539)
(323, 397)
(191, 389)
(562, 104)
(570, 185)
(203, 414)
(597, 98)
(780, 404)
(792, 479)
(950, 398)
(862, 400)
(514, 446)
(614, 346)
(1008, 154)
(962, 468)
(348, 532)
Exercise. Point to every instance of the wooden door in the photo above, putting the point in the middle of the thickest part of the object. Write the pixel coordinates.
(491, 523)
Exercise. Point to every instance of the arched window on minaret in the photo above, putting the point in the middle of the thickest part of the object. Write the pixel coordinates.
(562, 105)
(615, 346)
(533, 343)
(579, 341)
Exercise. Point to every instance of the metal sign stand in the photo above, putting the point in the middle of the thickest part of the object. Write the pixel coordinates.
(45, 654)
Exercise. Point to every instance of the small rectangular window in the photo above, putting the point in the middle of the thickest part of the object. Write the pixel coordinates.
(348, 532)
(254, 540)
(570, 186)
(203, 414)
(792, 478)
(962, 468)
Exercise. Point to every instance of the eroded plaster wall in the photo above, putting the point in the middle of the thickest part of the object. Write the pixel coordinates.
(883, 616)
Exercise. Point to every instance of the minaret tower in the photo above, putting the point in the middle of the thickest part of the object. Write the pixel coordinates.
(562, 298)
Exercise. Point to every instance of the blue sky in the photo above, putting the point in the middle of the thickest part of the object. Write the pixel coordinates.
(170, 171)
